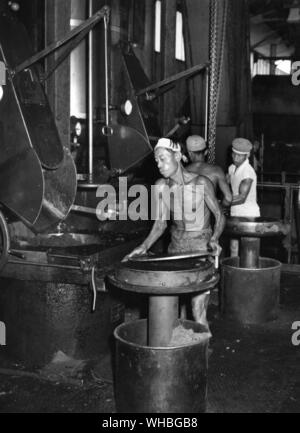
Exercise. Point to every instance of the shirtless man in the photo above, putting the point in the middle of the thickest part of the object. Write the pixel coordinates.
(191, 232)
(197, 151)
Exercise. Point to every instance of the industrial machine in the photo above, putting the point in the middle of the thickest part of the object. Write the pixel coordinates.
(160, 373)
(250, 283)
(54, 252)
(50, 271)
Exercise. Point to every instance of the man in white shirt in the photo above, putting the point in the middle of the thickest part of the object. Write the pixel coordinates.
(243, 181)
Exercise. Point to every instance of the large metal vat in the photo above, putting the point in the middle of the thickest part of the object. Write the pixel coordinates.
(160, 379)
(43, 318)
(250, 296)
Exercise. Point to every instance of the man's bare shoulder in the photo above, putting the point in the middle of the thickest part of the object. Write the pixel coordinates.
(206, 169)
(161, 182)
(203, 180)
(194, 167)
(219, 171)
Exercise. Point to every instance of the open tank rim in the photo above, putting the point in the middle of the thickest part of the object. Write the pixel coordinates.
(276, 264)
(169, 348)
(208, 266)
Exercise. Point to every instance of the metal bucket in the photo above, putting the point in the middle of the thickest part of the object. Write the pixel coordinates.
(250, 296)
(159, 380)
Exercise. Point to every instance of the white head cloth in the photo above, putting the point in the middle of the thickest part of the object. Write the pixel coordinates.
(168, 144)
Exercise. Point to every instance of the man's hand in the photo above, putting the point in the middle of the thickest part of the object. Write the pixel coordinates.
(138, 251)
(214, 245)
(226, 203)
(226, 211)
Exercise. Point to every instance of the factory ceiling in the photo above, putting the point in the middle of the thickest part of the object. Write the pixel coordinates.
(275, 23)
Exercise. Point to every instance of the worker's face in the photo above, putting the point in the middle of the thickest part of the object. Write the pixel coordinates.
(167, 162)
(238, 159)
(197, 156)
(192, 156)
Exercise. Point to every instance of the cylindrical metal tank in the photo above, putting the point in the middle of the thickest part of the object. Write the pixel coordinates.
(160, 379)
(44, 318)
(250, 296)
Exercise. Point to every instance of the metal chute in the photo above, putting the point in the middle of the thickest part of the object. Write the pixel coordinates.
(37, 173)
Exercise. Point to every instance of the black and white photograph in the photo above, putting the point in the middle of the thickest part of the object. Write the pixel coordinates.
(149, 209)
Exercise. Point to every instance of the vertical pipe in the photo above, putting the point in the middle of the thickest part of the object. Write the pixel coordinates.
(273, 52)
(57, 19)
(288, 218)
(168, 63)
(163, 314)
(249, 253)
(206, 101)
(297, 219)
(106, 70)
(262, 152)
(292, 222)
(90, 97)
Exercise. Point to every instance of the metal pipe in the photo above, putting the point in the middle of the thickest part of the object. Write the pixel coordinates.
(291, 205)
(90, 23)
(249, 253)
(106, 69)
(90, 99)
(163, 314)
(262, 150)
(181, 75)
(206, 102)
(5, 241)
(278, 186)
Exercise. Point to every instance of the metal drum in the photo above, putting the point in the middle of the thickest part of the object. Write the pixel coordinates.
(156, 373)
(160, 379)
(164, 282)
(250, 296)
(251, 284)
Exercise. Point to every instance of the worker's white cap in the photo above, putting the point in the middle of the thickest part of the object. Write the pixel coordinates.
(166, 143)
(195, 143)
(241, 146)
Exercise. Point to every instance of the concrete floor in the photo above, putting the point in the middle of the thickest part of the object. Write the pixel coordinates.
(252, 369)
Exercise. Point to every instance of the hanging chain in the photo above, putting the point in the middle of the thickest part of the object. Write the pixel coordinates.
(216, 51)
(213, 48)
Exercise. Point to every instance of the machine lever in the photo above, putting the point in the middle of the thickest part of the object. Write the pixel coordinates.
(168, 257)
(16, 254)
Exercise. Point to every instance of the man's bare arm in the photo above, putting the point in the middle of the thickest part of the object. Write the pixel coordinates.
(244, 190)
(213, 205)
(160, 224)
(225, 189)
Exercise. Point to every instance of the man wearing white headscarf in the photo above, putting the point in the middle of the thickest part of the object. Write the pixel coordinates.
(187, 233)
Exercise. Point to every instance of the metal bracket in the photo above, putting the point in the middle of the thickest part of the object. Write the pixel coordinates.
(103, 13)
(4, 252)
